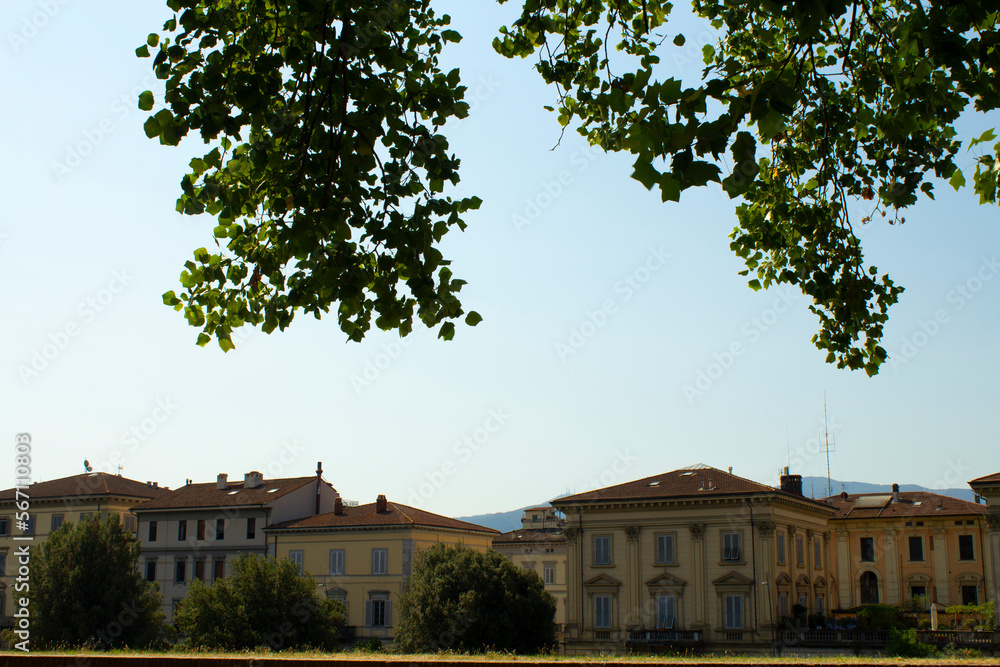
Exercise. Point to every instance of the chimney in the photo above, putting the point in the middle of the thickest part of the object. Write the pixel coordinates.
(791, 483)
(253, 480)
(221, 482)
(730, 470)
(319, 482)
(895, 493)
(338, 506)
(380, 504)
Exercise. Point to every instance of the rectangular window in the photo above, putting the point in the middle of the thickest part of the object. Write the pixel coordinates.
(152, 531)
(602, 550)
(734, 612)
(780, 543)
(783, 604)
(800, 552)
(220, 569)
(199, 570)
(182, 530)
(336, 561)
(665, 612)
(57, 520)
(818, 553)
(150, 570)
(201, 529)
(970, 595)
(602, 612)
(916, 548)
(730, 546)
(4, 527)
(297, 556)
(918, 592)
(220, 529)
(179, 573)
(380, 561)
(665, 550)
(3, 564)
(378, 613)
(30, 530)
(820, 609)
(130, 522)
(251, 528)
(868, 549)
(966, 551)
(549, 574)
(803, 601)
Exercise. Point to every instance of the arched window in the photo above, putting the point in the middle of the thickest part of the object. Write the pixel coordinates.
(869, 588)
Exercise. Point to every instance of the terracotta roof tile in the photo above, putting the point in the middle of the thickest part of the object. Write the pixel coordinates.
(365, 516)
(522, 536)
(912, 503)
(209, 495)
(695, 481)
(995, 477)
(89, 484)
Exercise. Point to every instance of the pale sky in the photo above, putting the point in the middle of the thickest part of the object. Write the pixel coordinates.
(606, 352)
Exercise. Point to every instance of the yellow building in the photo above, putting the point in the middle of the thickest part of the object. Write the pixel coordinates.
(696, 557)
(901, 545)
(540, 545)
(51, 504)
(362, 555)
(988, 488)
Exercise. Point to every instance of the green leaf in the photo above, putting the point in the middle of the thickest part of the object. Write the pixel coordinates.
(473, 318)
(679, 40)
(146, 101)
(644, 172)
(142, 51)
(151, 127)
(957, 179)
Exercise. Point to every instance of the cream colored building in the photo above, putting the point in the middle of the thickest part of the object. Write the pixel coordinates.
(194, 531)
(988, 488)
(901, 545)
(540, 545)
(695, 557)
(362, 555)
(52, 503)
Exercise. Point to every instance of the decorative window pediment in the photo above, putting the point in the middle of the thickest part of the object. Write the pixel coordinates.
(602, 581)
(969, 578)
(819, 583)
(918, 578)
(802, 580)
(733, 581)
(783, 580)
(665, 582)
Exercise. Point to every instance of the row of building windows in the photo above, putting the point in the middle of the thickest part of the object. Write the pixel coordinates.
(338, 560)
(181, 573)
(800, 550)
(915, 544)
(665, 549)
(56, 521)
(200, 526)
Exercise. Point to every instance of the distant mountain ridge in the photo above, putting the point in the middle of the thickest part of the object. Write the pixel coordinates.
(812, 487)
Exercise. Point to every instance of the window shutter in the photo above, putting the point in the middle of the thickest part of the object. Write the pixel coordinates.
(368, 613)
(670, 612)
(388, 613)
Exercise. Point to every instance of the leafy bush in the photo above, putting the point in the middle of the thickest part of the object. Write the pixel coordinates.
(879, 616)
(906, 645)
(262, 603)
(369, 645)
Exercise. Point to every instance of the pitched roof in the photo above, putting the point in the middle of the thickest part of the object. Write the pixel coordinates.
(522, 536)
(89, 484)
(209, 495)
(366, 516)
(995, 477)
(698, 480)
(911, 503)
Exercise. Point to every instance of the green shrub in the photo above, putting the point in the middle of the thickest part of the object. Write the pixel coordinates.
(906, 645)
(369, 645)
(879, 616)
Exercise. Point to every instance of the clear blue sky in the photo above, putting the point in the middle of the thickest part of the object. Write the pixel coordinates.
(567, 253)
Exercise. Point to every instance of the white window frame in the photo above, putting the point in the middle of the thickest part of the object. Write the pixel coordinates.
(733, 611)
(337, 561)
(800, 551)
(378, 608)
(602, 612)
(602, 550)
(666, 612)
(380, 560)
(818, 553)
(666, 552)
(298, 557)
(731, 547)
(780, 544)
(549, 574)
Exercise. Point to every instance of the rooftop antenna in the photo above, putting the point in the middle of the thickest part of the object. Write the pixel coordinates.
(86, 465)
(788, 448)
(826, 447)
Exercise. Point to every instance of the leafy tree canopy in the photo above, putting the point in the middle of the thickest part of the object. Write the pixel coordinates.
(328, 161)
(86, 589)
(466, 600)
(262, 603)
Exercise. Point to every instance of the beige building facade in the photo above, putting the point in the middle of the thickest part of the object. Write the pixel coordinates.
(540, 545)
(362, 555)
(55, 502)
(696, 557)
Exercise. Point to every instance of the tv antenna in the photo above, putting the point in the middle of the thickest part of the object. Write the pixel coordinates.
(826, 447)
(86, 465)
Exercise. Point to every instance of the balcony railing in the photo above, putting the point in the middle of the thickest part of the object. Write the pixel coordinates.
(834, 638)
(602, 635)
(664, 636)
